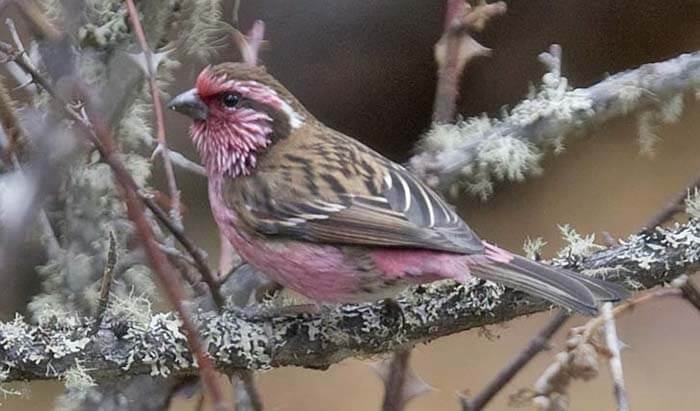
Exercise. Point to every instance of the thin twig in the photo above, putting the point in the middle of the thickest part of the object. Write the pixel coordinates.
(674, 206)
(151, 72)
(690, 289)
(104, 143)
(196, 253)
(247, 396)
(178, 159)
(394, 384)
(107, 278)
(615, 361)
(162, 216)
(249, 45)
(537, 344)
(594, 324)
(580, 360)
(100, 136)
(456, 48)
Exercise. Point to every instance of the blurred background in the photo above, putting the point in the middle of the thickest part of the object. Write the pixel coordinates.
(366, 68)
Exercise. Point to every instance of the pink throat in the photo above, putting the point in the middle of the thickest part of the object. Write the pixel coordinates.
(229, 147)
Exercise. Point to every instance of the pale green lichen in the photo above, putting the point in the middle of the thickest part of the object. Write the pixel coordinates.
(692, 203)
(78, 379)
(577, 246)
(533, 247)
(647, 127)
(494, 149)
(203, 17)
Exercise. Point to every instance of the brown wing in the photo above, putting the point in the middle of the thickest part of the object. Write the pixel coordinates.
(329, 188)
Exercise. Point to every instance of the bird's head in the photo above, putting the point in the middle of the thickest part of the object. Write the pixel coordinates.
(238, 111)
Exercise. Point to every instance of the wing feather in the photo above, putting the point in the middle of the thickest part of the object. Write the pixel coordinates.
(342, 192)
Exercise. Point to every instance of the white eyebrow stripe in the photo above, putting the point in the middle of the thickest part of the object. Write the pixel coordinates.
(406, 193)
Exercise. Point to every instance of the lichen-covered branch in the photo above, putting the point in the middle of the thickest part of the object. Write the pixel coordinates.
(475, 153)
(246, 339)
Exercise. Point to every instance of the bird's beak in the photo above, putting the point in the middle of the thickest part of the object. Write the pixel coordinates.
(189, 104)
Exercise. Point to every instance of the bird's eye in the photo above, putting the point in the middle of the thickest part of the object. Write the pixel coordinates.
(229, 100)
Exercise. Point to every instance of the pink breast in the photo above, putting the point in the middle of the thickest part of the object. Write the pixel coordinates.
(320, 272)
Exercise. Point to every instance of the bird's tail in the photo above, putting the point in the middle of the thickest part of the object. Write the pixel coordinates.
(562, 287)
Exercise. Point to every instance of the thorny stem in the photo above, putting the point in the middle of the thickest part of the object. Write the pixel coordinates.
(162, 216)
(615, 361)
(175, 208)
(560, 373)
(104, 143)
(98, 133)
(455, 49)
(537, 344)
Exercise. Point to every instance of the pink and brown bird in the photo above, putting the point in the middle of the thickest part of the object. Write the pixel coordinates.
(328, 217)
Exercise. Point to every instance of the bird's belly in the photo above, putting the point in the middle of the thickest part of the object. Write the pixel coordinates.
(319, 272)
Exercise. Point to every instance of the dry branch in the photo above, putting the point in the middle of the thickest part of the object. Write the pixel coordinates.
(239, 339)
(151, 70)
(615, 360)
(542, 121)
(534, 347)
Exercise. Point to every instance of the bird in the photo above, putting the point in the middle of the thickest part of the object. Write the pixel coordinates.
(328, 217)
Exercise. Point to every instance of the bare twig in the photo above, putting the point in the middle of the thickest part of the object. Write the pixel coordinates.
(247, 396)
(196, 253)
(674, 206)
(249, 45)
(104, 143)
(162, 216)
(394, 385)
(178, 159)
(455, 48)
(690, 289)
(100, 136)
(580, 360)
(107, 279)
(151, 73)
(537, 344)
(615, 361)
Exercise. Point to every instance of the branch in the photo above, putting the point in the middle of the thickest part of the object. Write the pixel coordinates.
(534, 347)
(476, 152)
(456, 48)
(151, 68)
(674, 206)
(615, 361)
(97, 132)
(238, 339)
